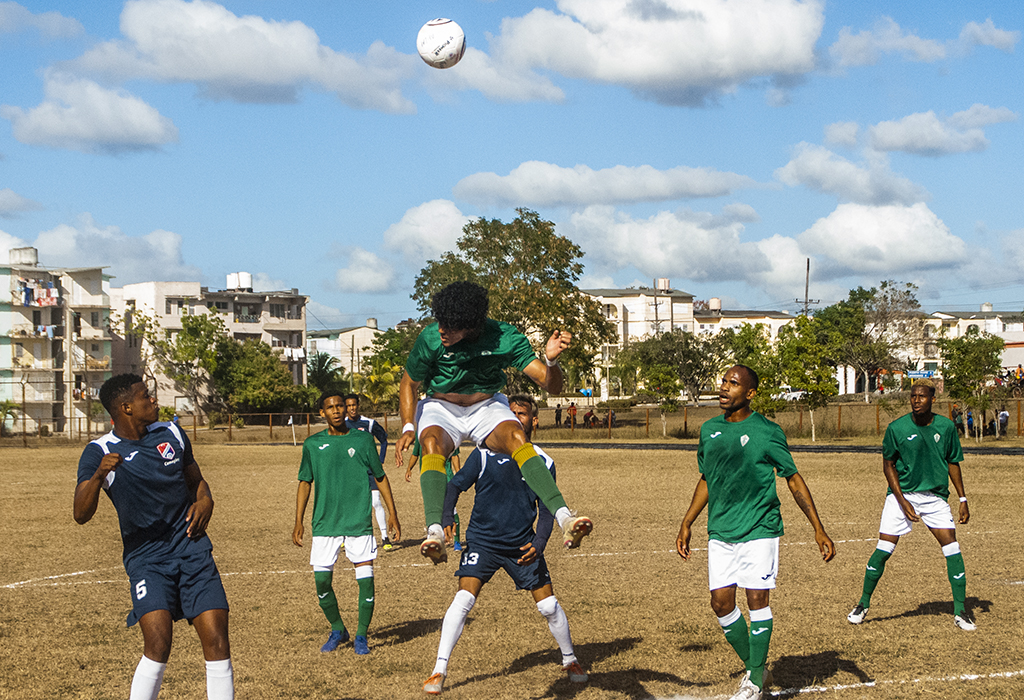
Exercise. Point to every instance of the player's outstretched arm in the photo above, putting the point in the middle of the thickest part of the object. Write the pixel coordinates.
(802, 496)
(87, 493)
(956, 476)
(301, 499)
(199, 514)
(548, 375)
(697, 505)
(394, 528)
(893, 478)
(408, 393)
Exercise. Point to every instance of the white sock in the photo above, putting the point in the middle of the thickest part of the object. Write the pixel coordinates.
(436, 531)
(149, 675)
(562, 515)
(220, 680)
(382, 516)
(451, 628)
(558, 623)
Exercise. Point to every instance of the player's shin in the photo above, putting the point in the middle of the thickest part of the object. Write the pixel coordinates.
(433, 482)
(149, 675)
(364, 577)
(957, 575)
(875, 569)
(537, 477)
(328, 601)
(760, 637)
(451, 628)
(220, 680)
(735, 628)
(558, 623)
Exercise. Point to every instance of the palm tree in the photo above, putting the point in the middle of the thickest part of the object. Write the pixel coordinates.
(8, 409)
(379, 382)
(323, 370)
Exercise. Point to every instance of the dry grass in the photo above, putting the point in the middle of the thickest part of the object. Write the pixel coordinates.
(640, 616)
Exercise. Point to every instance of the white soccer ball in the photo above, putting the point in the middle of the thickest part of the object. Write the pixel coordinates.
(441, 43)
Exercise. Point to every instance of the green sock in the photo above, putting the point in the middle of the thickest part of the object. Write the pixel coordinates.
(957, 581)
(874, 571)
(433, 483)
(365, 605)
(736, 634)
(538, 478)
(457, 537)
(328, 601)
(760, 637)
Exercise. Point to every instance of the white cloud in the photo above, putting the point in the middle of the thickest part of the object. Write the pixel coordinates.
(155, 256)
(866, 47)
(498, 81)
(247, 59)
(842, 134)
(673, 51)
(426, 231)
(537, 184)
(981, 115)
(7, 241)
(81, 115)
(786, 275)
(12, 203)
(925, 134)
(986, 34)
(820, 169)
(883, 241)
(366, 273)
(262, 282)
(15, 18)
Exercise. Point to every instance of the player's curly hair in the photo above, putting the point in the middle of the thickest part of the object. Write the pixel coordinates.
(328, 392)
(461, 306)
(116, 389)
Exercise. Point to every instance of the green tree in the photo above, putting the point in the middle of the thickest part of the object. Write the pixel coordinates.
(323, 370)
(395, 344)
(379, 381)
(968, 363)
(694, 361)
(751, 345)
(530, 273)
(806, 351)
(249, 376)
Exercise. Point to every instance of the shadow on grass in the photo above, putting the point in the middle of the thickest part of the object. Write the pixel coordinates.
(807, 669)
(937, 607)
(406, 631)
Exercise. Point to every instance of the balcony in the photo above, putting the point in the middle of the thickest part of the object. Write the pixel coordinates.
(29, 362)
(27, 330)
(90, 363)
(247, 318)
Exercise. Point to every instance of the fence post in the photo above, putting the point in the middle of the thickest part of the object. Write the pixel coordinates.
(1018, 417)
(839, 421)
(609, 424)
(801, 427)
(878, 420)
(270, 424)
(195, 421)
(24, 418)
(231, 419)
(648, 422)
(686, 432)
(308, 425)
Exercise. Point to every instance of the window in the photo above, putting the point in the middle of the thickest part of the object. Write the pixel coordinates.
(219, 305)
(95, 347)
(174, 307)
(94, 319)
(277, 310)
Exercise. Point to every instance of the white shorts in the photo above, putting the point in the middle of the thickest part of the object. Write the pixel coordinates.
(753, 564)
(324, 551)
(934, 512)
(475, 422)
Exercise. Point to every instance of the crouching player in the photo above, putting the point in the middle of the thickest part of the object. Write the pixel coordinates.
(163, 506)
(500, 536)
(459, 363)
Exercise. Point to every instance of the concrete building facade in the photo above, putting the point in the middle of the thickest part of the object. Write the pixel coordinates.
(349, 346)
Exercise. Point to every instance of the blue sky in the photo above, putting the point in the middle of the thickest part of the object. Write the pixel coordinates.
(718, 143)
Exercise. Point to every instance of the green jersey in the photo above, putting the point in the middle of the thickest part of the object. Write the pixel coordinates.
(337, 465)
(739, 462)
(922, 453)
(417, 451)
(468, 367)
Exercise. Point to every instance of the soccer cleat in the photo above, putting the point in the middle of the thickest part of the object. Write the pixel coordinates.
(457, 547)
(575, 530)
(387, 547)
(361, 645)
(857, 615)
(337, 638)
(433, 549)
(434, 685)
(575, 672)
(747, 691)
(964, 622)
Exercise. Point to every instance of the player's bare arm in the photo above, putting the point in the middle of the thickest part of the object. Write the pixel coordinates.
(301, 499)
(408, 394)
(87, 493)
(456, 465)
(394, 528)
(697, 505)
(893, 479)
(549, 377)
(956, 476)
(198, 516)
(802, 496)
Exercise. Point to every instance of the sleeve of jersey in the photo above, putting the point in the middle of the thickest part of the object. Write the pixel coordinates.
(189, 457)
(700, 452)
(522, 352)
(90, 460)
(306, 465)
(418, 364)
(890, 451)
(382, 437)
(781, 457)
(374, 465)
(954, 451)
(467, 476)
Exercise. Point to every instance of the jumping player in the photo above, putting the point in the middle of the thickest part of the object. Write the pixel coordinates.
(451, 468)
(163, 506)
(369, 425)
(738, 455)
(337, 460)
(921, 454)
(459, 362)
(500, 536)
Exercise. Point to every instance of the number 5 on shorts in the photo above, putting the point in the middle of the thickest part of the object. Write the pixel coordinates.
(140, 590)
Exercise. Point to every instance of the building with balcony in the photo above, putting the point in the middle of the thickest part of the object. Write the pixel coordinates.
(55, 342)
(349, 346)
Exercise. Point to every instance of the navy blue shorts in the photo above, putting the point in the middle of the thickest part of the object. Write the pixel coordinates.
(481, 563)
(186, 587)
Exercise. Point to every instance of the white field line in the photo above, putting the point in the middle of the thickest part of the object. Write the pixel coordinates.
(789, 692)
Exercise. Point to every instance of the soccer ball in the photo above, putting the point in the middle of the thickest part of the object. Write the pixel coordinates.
(441, 43)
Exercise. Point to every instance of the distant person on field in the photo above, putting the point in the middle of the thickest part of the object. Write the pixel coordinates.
(163, 506)
(360, 422)
(501, 536)
(738, 455)
(1004, 420)
(558, 415)
(920, 455)
(337, 460)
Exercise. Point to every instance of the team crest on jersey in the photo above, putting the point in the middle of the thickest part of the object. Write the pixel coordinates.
(165, 450)
(744, 440)
(351, 452)
(936, 437)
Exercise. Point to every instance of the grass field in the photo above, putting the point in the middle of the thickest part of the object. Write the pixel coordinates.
(639, 615)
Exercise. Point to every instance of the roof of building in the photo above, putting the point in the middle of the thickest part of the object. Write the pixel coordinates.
(739, 313)
(639, 291)
(328, 332)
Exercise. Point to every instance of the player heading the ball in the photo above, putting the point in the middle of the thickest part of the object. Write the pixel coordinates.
(459, 363)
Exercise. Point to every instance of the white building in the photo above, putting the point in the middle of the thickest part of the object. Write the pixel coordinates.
(349, 346)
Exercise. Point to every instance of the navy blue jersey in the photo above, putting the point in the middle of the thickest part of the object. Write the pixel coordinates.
(504, 507)
(369, 425)
(148, 491)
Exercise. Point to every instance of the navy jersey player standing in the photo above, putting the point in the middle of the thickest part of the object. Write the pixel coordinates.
(163, 506)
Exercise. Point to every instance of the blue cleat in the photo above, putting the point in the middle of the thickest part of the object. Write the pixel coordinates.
(337, 638)
(457, 546)
(361, 646)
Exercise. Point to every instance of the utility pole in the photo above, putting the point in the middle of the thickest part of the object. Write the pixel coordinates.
(806, 302)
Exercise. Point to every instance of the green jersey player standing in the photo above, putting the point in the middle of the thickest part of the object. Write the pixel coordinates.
(738, 455)
(338, 460)
(921, 454)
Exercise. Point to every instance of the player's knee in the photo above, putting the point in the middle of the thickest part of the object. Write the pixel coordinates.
(548, 606)
(464, 600)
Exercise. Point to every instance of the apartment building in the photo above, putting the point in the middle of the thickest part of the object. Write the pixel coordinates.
(349, 346)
